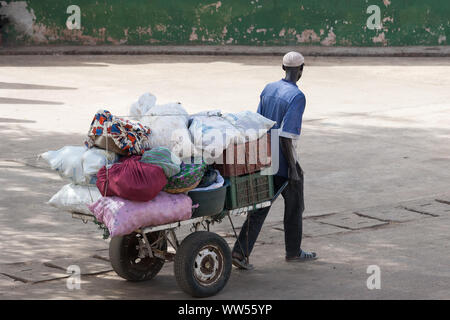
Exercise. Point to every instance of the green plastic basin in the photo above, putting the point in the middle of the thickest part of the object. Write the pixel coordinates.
(211, 202)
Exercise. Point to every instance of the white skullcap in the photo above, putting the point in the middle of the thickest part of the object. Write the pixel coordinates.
(293, 59)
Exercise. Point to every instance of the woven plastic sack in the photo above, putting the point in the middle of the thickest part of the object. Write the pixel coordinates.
(163, 158)
(188, 178)
(122, 217)
(251, 124)
(208, 113)
(75, 198)
(131, 180)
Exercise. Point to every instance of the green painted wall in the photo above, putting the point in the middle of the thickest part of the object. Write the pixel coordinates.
(237, 22)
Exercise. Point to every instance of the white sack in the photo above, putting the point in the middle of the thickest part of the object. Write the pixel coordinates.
(94, 159)
(139, 108)
(75, 198)
(213, 134)
(67, 161)
(79, 164)
(168, 123)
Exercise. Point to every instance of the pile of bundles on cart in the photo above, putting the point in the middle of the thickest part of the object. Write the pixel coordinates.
(136, 171)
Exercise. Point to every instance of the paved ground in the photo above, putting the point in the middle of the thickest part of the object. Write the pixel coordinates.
(374, 150)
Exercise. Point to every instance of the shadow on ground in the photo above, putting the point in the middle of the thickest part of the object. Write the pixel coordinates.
(347, 165)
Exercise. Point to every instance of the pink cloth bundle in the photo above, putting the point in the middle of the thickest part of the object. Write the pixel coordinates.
(122, 216)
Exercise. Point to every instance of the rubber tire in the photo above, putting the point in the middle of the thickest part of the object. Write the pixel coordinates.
(185, 258)
(121, 264)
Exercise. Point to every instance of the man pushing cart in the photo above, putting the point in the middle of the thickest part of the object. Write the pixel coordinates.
(130, 180)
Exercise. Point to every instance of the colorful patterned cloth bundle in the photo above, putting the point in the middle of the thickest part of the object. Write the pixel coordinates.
(130, 137)
(187, 179)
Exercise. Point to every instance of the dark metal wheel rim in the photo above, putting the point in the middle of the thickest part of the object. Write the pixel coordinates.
(209, 265)
(134, 256)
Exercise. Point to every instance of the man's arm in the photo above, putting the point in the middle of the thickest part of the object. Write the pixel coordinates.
(291, 128)
(288, 151)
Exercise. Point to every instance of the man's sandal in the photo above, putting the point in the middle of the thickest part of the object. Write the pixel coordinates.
(302, 257)
(241, 263)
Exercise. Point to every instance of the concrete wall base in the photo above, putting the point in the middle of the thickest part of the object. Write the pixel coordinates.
(415, 51)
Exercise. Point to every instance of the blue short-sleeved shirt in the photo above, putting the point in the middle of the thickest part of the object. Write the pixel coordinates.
(283, 102)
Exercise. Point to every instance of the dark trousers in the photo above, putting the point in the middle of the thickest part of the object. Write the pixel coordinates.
(293, 211)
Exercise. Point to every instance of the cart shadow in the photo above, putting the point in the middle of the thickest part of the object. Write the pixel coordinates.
(31, 229)
(28, 86)
(4, 100)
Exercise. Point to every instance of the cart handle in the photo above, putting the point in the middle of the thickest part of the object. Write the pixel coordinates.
(280, 191)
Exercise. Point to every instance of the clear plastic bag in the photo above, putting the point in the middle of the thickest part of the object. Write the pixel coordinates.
(75, 198)
(67, 161)
(217, 184)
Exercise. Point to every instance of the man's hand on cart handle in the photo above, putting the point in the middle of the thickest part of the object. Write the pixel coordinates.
(288, 151)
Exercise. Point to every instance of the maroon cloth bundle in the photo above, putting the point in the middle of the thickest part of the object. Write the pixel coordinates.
(131, 180)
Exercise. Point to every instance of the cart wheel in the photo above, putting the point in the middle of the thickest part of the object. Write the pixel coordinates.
(128, 263)
(202, 264)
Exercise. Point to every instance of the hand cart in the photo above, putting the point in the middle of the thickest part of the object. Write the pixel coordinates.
(202, 261)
